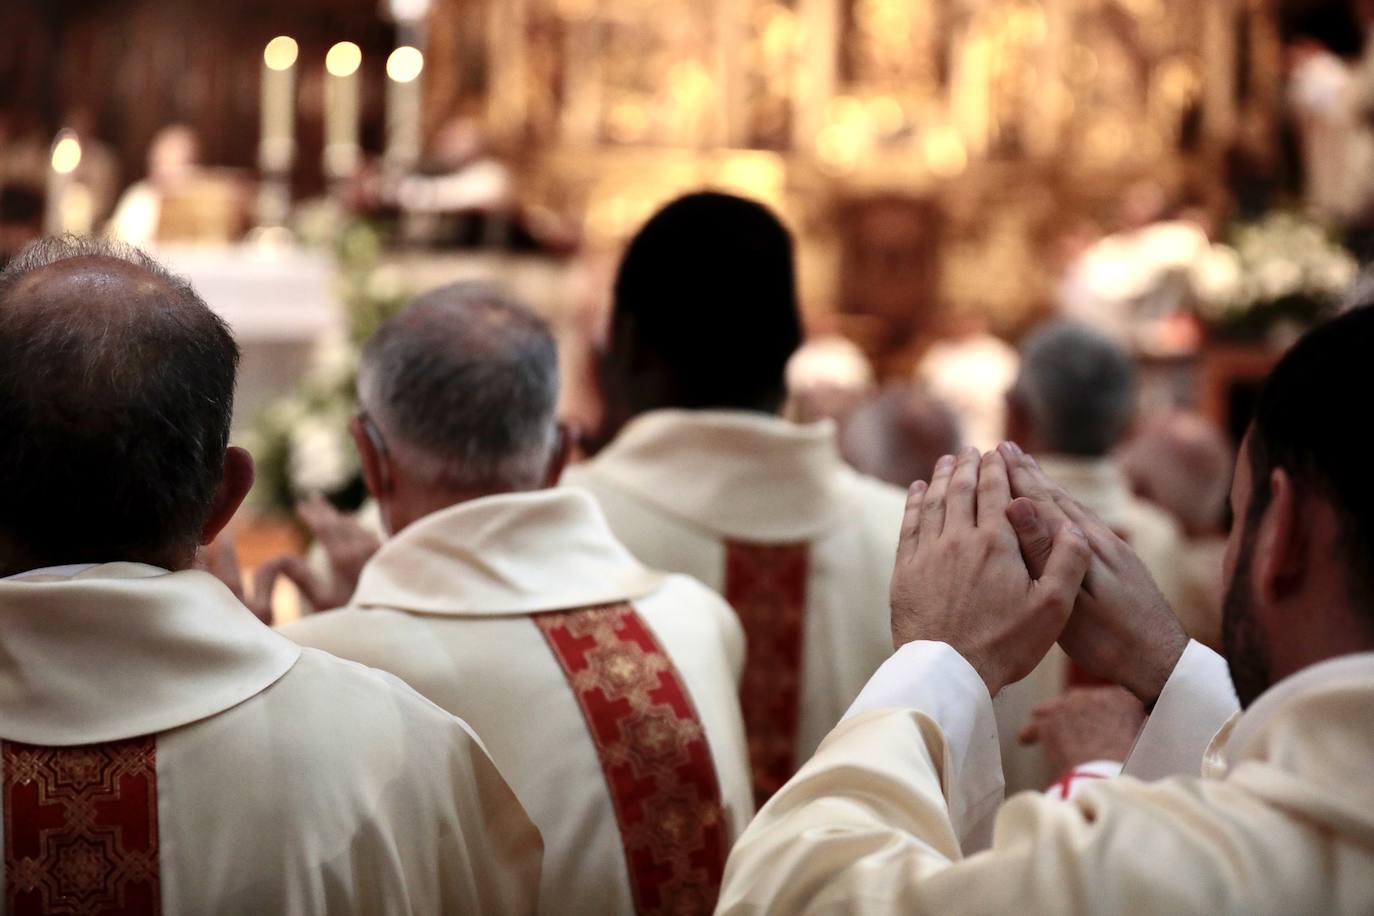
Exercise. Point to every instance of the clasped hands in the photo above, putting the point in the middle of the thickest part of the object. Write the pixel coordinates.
(999, 562)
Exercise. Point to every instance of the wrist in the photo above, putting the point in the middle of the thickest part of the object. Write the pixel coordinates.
(1155, 666)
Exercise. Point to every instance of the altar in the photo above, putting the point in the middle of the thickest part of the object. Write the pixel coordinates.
(280, 303)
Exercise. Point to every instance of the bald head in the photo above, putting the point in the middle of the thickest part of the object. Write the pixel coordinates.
(116, 392)
(463, 386)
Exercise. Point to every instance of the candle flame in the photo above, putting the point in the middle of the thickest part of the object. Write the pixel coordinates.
(343, 59)
(405, 63)
(281, 53)
(66, 154)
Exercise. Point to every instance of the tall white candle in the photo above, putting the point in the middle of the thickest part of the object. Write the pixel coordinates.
(277, 142)
(403, 104)
(66, 156)
(341, 153)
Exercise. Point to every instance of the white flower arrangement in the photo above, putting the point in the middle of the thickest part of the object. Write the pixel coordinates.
(1283, 268)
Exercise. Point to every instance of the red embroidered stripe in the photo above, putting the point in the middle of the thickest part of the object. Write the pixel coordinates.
(766, 585)
(81, 829)
(653, 752)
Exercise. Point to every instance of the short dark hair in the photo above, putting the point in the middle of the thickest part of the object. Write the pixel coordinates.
(707, 289)
(1304, 423)
(116, 397)
(464, 382)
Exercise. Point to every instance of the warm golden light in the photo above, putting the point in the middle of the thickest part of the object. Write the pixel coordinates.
(281, 53)
(945, 153)
(66, 155)
(405, 64)
(343, 59)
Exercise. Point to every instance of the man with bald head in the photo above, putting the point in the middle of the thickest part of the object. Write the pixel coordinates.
(161, 750)
(605, 691)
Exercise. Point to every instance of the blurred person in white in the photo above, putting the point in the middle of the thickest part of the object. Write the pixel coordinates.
(162, 750)
(704, 477)
(1183, 464)
(173, 162)
(827, 377)
(1247, 791)
(898, 435)
(605, 691)
(1072, 403)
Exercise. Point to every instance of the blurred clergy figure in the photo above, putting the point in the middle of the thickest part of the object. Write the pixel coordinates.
(162, 750)
(605, 691)
(1255, 801)
(704, 477)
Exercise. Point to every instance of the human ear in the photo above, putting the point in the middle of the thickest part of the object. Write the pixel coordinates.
(561, 452)
(232, 491)
(376, 469)
(1283, 542)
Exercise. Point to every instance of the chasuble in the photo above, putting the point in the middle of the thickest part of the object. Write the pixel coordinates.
(766, 512)
(606, 692)
(1282, 820)
(164, 752)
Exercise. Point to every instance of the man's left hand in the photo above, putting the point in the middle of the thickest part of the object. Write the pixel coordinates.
(960, 578)
(1084, 725)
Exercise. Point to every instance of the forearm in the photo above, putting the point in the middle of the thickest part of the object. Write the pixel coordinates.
(910, 775)
(864, 818)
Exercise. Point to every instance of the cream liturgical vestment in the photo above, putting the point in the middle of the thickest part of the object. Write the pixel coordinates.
(605, 692)
(1283, 823)
(1099, 485)
(765, 512)
(164, 752)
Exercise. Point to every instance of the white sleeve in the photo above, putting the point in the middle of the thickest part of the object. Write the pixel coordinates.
(932, 678)
(1197, 700)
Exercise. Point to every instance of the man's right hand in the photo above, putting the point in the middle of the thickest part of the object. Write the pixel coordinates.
(1122, 629)
(347, 544)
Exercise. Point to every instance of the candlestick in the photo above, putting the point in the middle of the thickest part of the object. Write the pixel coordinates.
(277, 143)
(341, 153)
(403, 103)
(66, 156)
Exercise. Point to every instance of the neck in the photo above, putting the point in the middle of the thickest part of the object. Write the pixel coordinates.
(407, 506)
(1326, 630)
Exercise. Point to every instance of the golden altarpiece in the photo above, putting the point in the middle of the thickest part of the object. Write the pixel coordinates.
(910, 143)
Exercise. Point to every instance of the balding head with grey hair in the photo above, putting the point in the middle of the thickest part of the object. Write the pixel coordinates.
(1076, 391)
(116, 393)
(463, 389)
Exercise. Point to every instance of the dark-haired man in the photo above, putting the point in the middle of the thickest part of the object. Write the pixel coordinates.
(162, 750)
(705, 478)
(1282, 817)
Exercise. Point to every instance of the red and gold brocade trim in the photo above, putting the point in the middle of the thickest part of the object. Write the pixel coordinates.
(766, 585)
(81, 831)
(653, 753)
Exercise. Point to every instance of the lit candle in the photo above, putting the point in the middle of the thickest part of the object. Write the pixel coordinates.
(66, 156)
(341, 110)
(277, 143)
(403, 103)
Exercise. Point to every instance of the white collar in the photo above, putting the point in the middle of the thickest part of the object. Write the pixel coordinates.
(515, 553)
(51, 572)
(1097, 483)
(742, 475)
(1248, 732)
(123, 649)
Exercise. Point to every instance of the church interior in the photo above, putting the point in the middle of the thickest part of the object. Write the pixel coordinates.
(582, 363)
